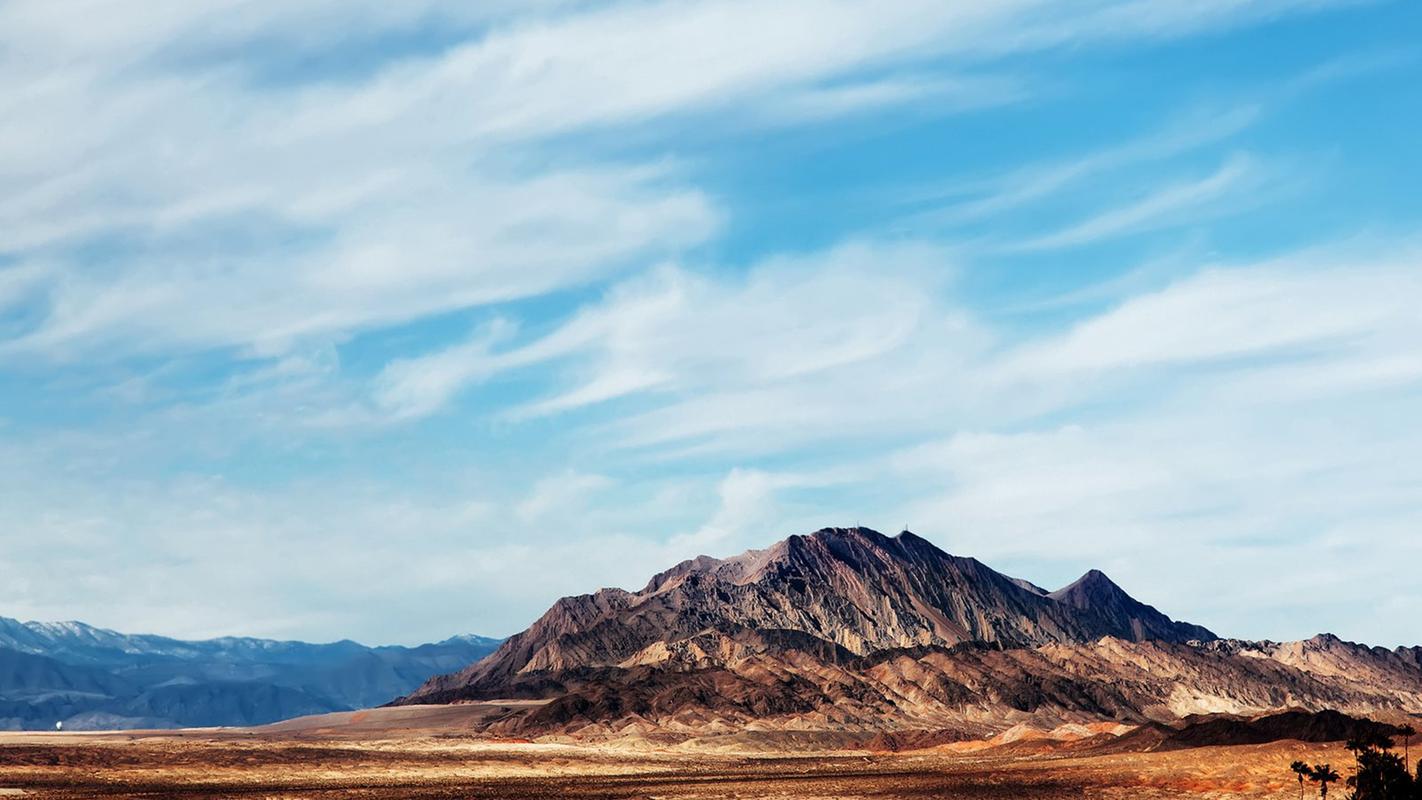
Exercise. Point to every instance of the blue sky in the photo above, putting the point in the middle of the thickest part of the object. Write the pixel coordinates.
(394, 321)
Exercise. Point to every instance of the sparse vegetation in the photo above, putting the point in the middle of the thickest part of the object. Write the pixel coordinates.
(1380, 774)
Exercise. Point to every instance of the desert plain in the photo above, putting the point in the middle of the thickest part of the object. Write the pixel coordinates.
(427, 753)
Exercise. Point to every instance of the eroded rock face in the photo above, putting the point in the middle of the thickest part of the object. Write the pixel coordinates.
(850, 630)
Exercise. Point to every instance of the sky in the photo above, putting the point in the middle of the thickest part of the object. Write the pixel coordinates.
(393, 321)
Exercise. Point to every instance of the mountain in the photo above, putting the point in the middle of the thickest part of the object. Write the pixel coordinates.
(849, 633)
(90, 677)
(850, 591)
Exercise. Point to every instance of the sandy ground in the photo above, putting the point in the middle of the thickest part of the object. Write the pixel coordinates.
(400, 754)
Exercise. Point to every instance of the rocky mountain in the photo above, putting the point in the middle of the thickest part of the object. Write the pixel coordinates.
(848, 592)
(850, 633)
(90, 677)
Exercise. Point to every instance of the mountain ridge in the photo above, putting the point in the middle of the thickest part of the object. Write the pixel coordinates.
(89, 677)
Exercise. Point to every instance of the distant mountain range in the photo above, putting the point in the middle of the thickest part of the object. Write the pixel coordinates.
(849, 633)
(92, 678)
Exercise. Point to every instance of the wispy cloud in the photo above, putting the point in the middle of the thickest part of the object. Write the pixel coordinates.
(1027, 185)
(1173, 204)
(413, 387)
(677, 331)
(929, 93)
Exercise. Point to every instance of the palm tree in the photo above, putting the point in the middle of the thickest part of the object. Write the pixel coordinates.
(1300, 769)
(1323, 774)
(1407, 732)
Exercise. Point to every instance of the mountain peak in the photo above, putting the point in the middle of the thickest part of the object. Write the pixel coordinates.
(1097, 595)
(1093, 584)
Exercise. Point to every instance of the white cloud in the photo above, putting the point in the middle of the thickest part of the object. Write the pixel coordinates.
(261, 213)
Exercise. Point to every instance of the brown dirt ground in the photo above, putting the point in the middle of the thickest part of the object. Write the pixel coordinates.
(401, 758)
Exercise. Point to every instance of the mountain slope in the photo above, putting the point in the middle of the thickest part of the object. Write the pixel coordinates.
(974, 690)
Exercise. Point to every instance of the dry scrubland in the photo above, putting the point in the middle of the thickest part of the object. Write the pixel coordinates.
(422, 755)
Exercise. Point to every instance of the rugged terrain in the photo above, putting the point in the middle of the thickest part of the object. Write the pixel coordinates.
(93, 678)
(851, 634)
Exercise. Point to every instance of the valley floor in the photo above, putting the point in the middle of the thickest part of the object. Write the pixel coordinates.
(391, 758)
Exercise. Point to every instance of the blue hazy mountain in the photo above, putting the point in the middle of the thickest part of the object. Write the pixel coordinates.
(90, 677)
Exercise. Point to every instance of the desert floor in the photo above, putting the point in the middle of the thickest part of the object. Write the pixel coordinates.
(368, 755)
